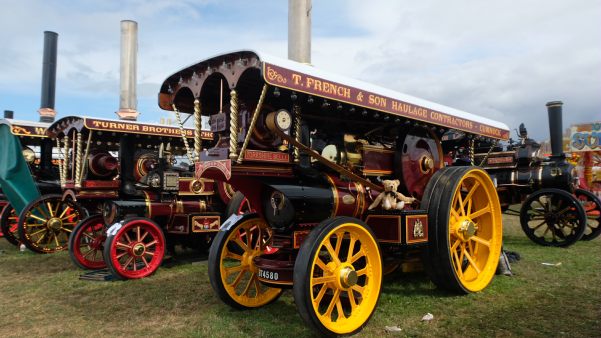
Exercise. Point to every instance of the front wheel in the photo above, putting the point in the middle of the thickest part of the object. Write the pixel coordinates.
(86, 243)
(45, 223)
(592, 208)
(553, 217)
(338, 276)
(232, 271)
(9, 224)
(135, 249)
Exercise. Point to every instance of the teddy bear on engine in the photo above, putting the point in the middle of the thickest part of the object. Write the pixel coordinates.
(390, 198)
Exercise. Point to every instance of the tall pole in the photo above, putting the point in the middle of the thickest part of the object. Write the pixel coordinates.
(128, 101)
(299, 30)
(46, 111)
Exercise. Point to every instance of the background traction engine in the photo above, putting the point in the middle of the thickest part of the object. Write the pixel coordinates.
(312, 160)
(28, 170)
(553, 212)
(175, 209)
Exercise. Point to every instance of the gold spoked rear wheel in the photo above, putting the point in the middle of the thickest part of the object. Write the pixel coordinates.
(338, 276)
(46, 223)
(466, 229)
(232, 271)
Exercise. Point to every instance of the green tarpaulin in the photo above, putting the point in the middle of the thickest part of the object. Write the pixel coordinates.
(17, 184)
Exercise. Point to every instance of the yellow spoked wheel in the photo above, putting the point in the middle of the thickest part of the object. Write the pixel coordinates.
(338, 276)
(465, 228)
(232, 271)
(46, 223)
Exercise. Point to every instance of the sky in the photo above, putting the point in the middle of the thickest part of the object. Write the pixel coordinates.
(499, 59)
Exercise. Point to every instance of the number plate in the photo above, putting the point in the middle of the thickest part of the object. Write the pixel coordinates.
(268, 275)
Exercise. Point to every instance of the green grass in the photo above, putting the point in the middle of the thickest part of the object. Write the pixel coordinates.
(41, 295)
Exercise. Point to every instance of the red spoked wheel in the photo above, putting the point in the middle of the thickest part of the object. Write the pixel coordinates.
(134, 249)
(86, 243)
(9, 223)
(592, 207)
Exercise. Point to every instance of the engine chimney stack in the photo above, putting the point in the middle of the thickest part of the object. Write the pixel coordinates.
(554, 109)
(299, 30)
(46, 111)
(9, 114)
(128, 100)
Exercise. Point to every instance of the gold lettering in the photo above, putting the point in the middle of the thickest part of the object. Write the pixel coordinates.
(309, 82)
(377, 100)
(318, 85)
(296, 78)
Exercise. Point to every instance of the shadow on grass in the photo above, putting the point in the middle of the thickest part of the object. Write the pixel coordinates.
(412, 284)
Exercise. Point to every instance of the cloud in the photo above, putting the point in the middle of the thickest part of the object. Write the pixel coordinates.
(502, 60)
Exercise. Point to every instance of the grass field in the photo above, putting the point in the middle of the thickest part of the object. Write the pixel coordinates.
(41, 295)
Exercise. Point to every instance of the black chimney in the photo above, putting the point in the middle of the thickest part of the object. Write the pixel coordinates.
(46, 110)
(555, 128)
(9, 114)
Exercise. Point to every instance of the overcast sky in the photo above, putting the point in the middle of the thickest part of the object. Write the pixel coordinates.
(499, 59)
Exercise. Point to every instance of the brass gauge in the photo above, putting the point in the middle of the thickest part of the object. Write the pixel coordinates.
(28, 155)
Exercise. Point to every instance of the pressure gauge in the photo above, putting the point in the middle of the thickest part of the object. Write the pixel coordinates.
(283, 119)
(28, 155)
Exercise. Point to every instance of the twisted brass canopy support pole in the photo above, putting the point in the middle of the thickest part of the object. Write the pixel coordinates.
(197, 130)
(253, 122)
(488, 153)
(61, 162)
(66, 168)
(78, 161)
(471, 152)
(297, 130)
(85, 158)
(183, 133)
(233, 125)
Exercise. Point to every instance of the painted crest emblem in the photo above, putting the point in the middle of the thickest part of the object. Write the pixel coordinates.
(418, 229)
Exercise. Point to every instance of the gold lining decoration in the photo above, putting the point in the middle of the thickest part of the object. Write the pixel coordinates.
(334, 194)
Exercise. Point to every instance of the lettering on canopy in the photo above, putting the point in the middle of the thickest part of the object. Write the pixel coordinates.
(141, 128)
(286, 78)
(23, 130)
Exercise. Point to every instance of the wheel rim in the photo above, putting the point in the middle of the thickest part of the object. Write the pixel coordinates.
(475, 231)
(137, 250)
(88, 243)
(12, 226)
(552, 219)
(593, 215)
(238, 271)
(47, 224)
(345, 278)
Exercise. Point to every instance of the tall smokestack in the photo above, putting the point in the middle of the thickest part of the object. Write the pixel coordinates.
(554, 109)
(47, 112)
(299, 30)
(128, 101)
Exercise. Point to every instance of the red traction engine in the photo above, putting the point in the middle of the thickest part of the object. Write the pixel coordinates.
(140, 193)
(101, 161)
(315, 154)
(554, 212)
